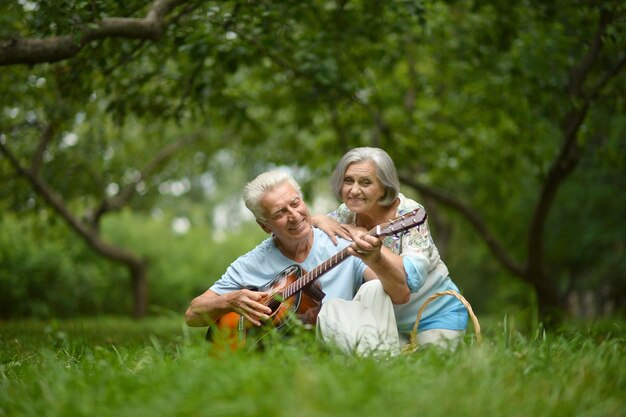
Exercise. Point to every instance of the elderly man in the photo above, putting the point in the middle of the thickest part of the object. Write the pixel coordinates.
(366, 323)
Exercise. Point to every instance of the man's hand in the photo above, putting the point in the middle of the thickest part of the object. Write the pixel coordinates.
(209, 306)
(248, 304)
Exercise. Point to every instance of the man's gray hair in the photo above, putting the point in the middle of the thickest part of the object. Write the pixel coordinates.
(385, 171)
(254, 191)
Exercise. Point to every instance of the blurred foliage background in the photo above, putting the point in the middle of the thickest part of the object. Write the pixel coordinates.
(126, 154)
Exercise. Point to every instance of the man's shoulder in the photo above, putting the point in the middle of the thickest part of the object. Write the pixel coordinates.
(325, 249)
(325, 242)
(263, 249)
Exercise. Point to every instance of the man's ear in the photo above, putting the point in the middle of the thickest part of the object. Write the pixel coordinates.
(263, 226)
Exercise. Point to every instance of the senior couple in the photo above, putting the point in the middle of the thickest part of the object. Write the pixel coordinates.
(372, 297)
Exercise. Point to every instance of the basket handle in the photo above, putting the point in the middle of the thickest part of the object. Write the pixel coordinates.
(413, 338)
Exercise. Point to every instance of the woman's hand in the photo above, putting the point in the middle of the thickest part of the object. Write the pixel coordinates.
(331, 227)
(365, 246)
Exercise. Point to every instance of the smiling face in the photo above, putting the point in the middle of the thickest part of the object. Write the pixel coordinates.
(287, 215)
(361, 190)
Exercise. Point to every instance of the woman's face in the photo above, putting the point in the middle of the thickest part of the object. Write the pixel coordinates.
(361, 190)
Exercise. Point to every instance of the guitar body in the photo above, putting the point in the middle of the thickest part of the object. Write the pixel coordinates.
(305, 304)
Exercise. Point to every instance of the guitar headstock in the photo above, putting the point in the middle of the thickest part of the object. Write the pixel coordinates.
(400, 224)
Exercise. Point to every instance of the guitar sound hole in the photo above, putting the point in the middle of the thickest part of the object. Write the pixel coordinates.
(274, 304)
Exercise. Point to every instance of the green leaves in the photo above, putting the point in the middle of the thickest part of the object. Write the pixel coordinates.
(467, 96)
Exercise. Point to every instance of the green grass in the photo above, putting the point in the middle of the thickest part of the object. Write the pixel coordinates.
(158, 367)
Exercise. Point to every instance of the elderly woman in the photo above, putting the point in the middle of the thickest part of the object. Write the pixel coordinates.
(366, 181)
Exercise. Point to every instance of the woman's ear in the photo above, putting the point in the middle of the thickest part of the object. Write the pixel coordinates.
(382, 197)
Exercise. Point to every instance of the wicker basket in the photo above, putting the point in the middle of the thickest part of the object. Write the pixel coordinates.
(413, 345)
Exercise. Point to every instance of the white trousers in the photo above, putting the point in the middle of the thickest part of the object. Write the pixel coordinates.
(444, 338)
(366, 325)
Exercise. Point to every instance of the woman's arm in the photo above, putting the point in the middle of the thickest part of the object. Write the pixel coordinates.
(384, 265)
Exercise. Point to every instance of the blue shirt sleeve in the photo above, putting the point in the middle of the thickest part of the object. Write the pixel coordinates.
(416, 268)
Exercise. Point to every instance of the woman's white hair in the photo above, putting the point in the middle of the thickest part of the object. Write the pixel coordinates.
(385, 171)
(254, 191)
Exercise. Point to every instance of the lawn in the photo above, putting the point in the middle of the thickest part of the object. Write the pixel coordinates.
(159, 367)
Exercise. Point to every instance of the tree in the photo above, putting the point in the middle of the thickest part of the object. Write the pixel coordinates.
(164, 64)
(581, 79)
(16, 50)
(53, 112)
(456, 91)
(484, 88)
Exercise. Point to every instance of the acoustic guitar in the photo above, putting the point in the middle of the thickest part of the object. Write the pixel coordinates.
(296, 292)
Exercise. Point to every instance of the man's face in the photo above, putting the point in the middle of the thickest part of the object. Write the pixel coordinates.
(286, 213)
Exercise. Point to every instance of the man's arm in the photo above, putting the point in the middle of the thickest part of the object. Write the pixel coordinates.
(208, 307)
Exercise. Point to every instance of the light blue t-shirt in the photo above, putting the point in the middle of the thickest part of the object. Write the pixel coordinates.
(263, 263)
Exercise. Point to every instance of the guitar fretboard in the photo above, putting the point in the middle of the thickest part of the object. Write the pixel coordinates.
(393, 227)
(311, 276)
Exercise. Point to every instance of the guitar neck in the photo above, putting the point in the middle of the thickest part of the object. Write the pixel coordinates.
(393, 227)
(314, 274)
(319, 270)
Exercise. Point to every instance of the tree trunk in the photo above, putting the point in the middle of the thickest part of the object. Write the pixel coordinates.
(549, 303)
(139, 280)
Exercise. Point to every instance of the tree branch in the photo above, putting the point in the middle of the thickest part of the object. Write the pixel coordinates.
(494, 245)
(579, 73)
(56, 202)
(44, 140)
(611, 73)
(123, 197)
(56, 48)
